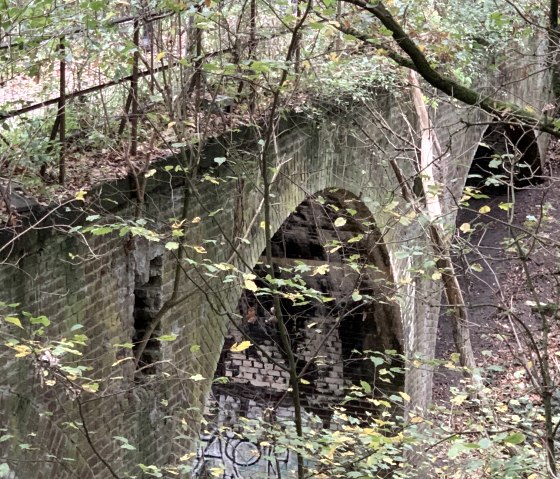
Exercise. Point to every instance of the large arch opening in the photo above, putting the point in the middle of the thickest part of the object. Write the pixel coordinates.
(335, 287)
(508, 155)
(506, 158)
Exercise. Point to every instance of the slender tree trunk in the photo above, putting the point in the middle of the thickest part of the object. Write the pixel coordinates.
(440, 246)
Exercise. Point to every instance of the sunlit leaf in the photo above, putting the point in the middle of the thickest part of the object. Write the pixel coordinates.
(242, 346)
(13, 320)
(340, 221)
(80, 195)
(250, 285)
(167, 337)
(91, 387)
(459, 399)
(485, 209)
(505, 206)
(366, 386)
(405, 396)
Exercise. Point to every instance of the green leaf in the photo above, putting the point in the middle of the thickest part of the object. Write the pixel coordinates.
(171, 245)
(515, 438)
(477, 267)
(124, 443)
(377, 361)
(355, 239)
(485, 443)
(13, 320)
(40, 320)
(366, 386)
(356, 296)
(101, 231)
(167, 337)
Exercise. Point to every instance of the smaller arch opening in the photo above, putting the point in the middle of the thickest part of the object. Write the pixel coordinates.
(507, 156)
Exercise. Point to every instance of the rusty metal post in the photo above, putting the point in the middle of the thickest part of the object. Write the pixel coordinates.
(61, 114)
(134, 90)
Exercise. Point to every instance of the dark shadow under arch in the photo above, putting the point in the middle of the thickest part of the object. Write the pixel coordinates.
(508, 155)
(332, 339)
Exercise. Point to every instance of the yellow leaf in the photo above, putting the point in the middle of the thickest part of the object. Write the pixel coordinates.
(159, 56)
(304, 381)
(13, 320)
(459, 399)
(250, 285)
(416, 420)
(80, 195)
(242, 346)
(22, 350)
(405, 396)
(187, 457)
(484, 210)
(199, 249)
(91, 388)
(465, 227)
(436, 276)
(195, 220)
(323, 269)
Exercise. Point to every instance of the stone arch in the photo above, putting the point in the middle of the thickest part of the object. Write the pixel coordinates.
(348, 263)
(506, 152)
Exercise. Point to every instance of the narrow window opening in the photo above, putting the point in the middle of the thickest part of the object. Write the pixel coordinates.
(147, 303)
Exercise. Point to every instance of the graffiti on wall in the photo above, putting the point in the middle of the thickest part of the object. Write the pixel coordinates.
(224, 452)
(238, 458)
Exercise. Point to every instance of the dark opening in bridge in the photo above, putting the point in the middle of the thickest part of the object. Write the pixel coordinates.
(507, 155)
(147, 303)
(331, 339)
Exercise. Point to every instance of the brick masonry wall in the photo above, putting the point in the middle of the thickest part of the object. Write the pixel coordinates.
(91, 281)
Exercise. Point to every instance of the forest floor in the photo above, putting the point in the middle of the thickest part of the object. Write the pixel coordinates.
(494, 280)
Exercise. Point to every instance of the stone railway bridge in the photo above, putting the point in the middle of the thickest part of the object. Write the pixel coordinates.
(113, 287)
